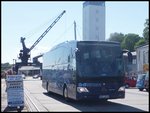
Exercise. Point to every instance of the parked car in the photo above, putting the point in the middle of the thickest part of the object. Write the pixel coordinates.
(130, 82)
(143, 82)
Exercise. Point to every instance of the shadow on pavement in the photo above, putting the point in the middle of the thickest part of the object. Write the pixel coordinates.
(13, 109)
(88, 105)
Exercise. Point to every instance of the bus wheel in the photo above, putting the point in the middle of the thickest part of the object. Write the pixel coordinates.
(127, 86)
(103, 100)
(141, 89)
(65, 93)
(47, 88)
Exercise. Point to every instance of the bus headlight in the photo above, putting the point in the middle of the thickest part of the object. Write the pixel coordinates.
(122, 89)
(82, 89)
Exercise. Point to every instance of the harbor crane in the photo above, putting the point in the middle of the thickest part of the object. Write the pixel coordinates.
(24, 54)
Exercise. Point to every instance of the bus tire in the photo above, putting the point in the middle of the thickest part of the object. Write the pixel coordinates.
(65, 93)
(140, 89)
(127, 85)
(103, 100)
(47, 87)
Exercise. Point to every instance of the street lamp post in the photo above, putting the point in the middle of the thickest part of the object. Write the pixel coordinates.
(14, 62)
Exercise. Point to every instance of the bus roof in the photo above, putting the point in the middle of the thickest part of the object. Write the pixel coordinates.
(90, 42)
(100, 42)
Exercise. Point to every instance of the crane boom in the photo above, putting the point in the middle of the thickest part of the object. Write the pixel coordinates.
(24, 53)
(46, 31)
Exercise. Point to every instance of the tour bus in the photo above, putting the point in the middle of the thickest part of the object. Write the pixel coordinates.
(85, 70)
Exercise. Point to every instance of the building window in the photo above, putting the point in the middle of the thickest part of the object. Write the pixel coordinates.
(145, 57)
(97, 19)
(134, 61)
(97, 11)
(97, 28)
(97, 36)
(139, 54)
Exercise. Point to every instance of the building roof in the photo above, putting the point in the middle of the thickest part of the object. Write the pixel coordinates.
(29, 68)
(98, 3)
(141, 46)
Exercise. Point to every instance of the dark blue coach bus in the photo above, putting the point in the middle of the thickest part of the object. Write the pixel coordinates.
(85, 70)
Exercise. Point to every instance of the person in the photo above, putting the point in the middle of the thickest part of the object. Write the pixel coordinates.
(14, 73)
(9, 72)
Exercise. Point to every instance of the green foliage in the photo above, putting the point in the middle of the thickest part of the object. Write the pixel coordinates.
(5, 66)
(130, 40)
(119, 37)
(146, 31)
(140, 42)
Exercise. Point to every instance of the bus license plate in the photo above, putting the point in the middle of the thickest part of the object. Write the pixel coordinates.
(104, 96)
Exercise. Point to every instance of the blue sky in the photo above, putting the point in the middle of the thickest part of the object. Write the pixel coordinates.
(30, 20)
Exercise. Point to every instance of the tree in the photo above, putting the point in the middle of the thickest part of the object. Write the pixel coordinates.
(146, 31)
(140, 42)
(119, 37)
(129, 41)
(5, 66)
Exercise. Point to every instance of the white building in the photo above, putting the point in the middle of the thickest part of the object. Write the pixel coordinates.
(130, 67)
(142, 57)
(94, 21)
(29, 70)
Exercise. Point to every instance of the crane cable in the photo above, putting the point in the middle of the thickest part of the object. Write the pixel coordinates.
(57, 39)
(39, 28)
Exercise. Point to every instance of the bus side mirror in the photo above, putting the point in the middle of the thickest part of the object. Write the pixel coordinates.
(130, 57)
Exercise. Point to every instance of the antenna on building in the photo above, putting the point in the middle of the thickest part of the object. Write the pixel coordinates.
(75, 30)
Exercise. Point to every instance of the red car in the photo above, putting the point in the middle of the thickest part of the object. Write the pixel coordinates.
(130, 82)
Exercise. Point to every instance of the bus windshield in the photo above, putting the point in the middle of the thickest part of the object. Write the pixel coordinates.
(99, 60)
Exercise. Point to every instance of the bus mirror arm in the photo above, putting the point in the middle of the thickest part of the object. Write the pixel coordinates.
(125, 51)
(129, 54)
